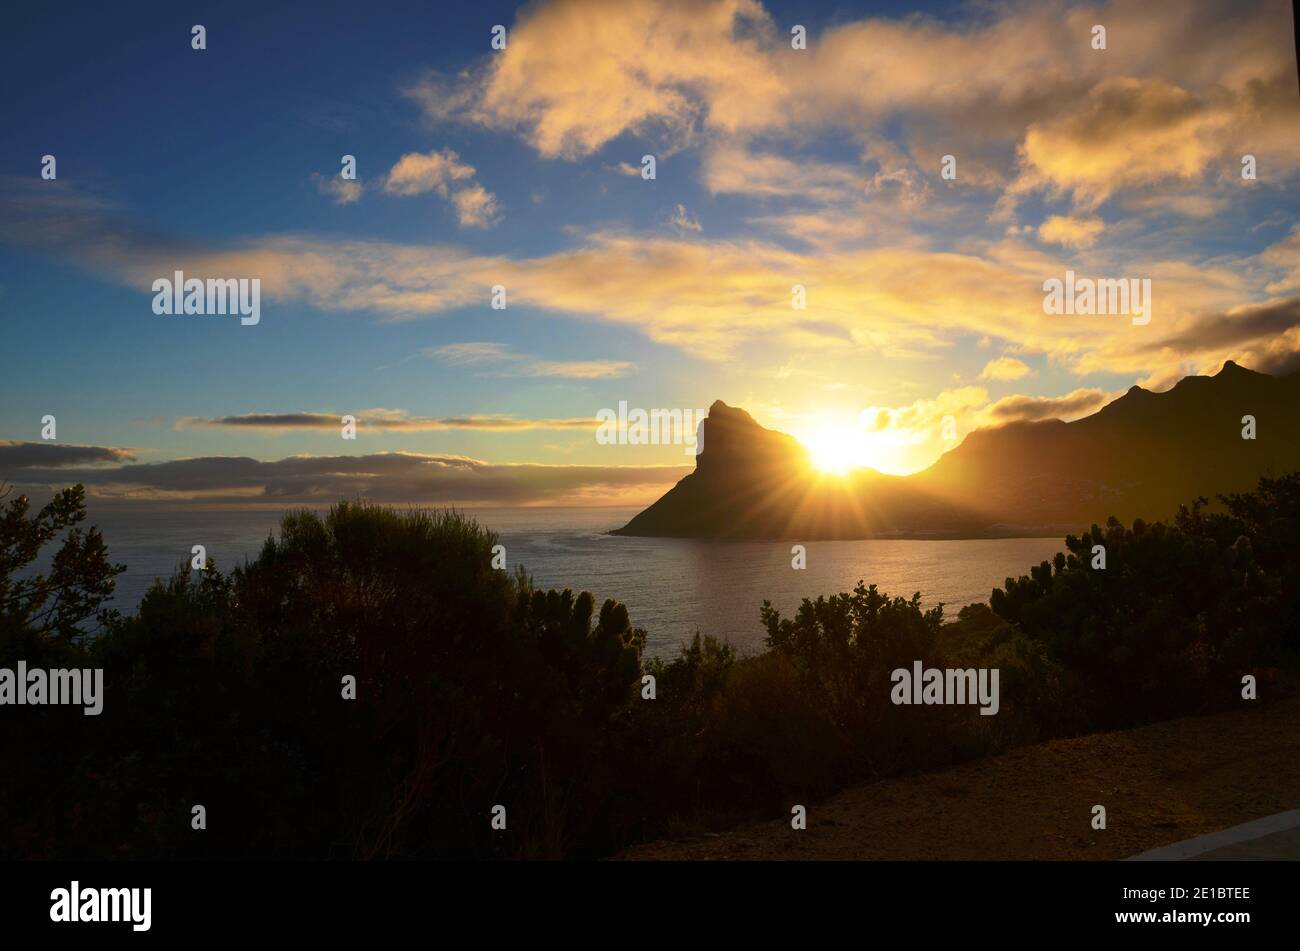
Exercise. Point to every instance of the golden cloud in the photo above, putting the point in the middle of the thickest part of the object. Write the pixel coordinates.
(643, 63)
(1160, 107)
(417, 173)
(1070, 232)
(1005, 368)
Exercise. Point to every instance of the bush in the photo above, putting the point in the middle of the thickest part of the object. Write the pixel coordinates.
(1174, 619)
(474, 689)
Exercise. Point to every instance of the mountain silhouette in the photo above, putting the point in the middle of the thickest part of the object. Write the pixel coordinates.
(1139, 456)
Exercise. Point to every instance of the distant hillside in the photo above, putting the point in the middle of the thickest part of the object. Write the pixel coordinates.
(1139, 456)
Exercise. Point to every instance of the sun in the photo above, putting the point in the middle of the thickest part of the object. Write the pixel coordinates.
(833, 450)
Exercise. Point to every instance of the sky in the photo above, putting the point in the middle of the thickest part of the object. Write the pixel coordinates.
(522, 168)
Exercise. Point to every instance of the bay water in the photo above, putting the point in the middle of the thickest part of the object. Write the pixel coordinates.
(672, 587)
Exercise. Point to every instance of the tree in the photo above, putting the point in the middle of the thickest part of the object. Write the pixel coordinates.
(53, 602)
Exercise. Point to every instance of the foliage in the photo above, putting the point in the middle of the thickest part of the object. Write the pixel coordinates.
(55, 602)
(474, 688)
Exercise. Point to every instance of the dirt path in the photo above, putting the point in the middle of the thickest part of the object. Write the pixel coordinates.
(1159, 783)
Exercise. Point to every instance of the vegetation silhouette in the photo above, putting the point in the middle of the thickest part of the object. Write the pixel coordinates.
(474, 688)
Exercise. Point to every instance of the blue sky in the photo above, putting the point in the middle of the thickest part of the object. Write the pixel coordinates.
(774, 165)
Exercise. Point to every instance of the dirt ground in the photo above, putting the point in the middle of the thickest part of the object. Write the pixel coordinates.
(1160, 784)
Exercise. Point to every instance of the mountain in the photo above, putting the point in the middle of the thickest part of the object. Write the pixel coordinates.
(751, 482)
(1139, 456)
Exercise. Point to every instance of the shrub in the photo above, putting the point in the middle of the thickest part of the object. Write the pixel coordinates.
(474, 688)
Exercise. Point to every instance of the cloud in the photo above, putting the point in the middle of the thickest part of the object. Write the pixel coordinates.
(904, 439)
(1278, 361)
(1241, 325)
(342, 191)
(909, 438)
(1082, 402)
(1005, 368)
(925, 414)
(665, 64)
(381, 419)
(682, 222)
(418, 173)
(383, 477)
(1285, 257)
(1265, 337)
(508, 362)
(476, 207)
(31, 455)
(710, 297)
(736, 170)
(1070, 232)
(693, 293)
(1130, 133)
(473, 352)
(1157, 113)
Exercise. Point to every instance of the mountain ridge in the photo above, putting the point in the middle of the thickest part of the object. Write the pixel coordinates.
(1141, 455)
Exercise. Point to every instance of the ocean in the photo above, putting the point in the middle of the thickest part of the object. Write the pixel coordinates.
(672, 587)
